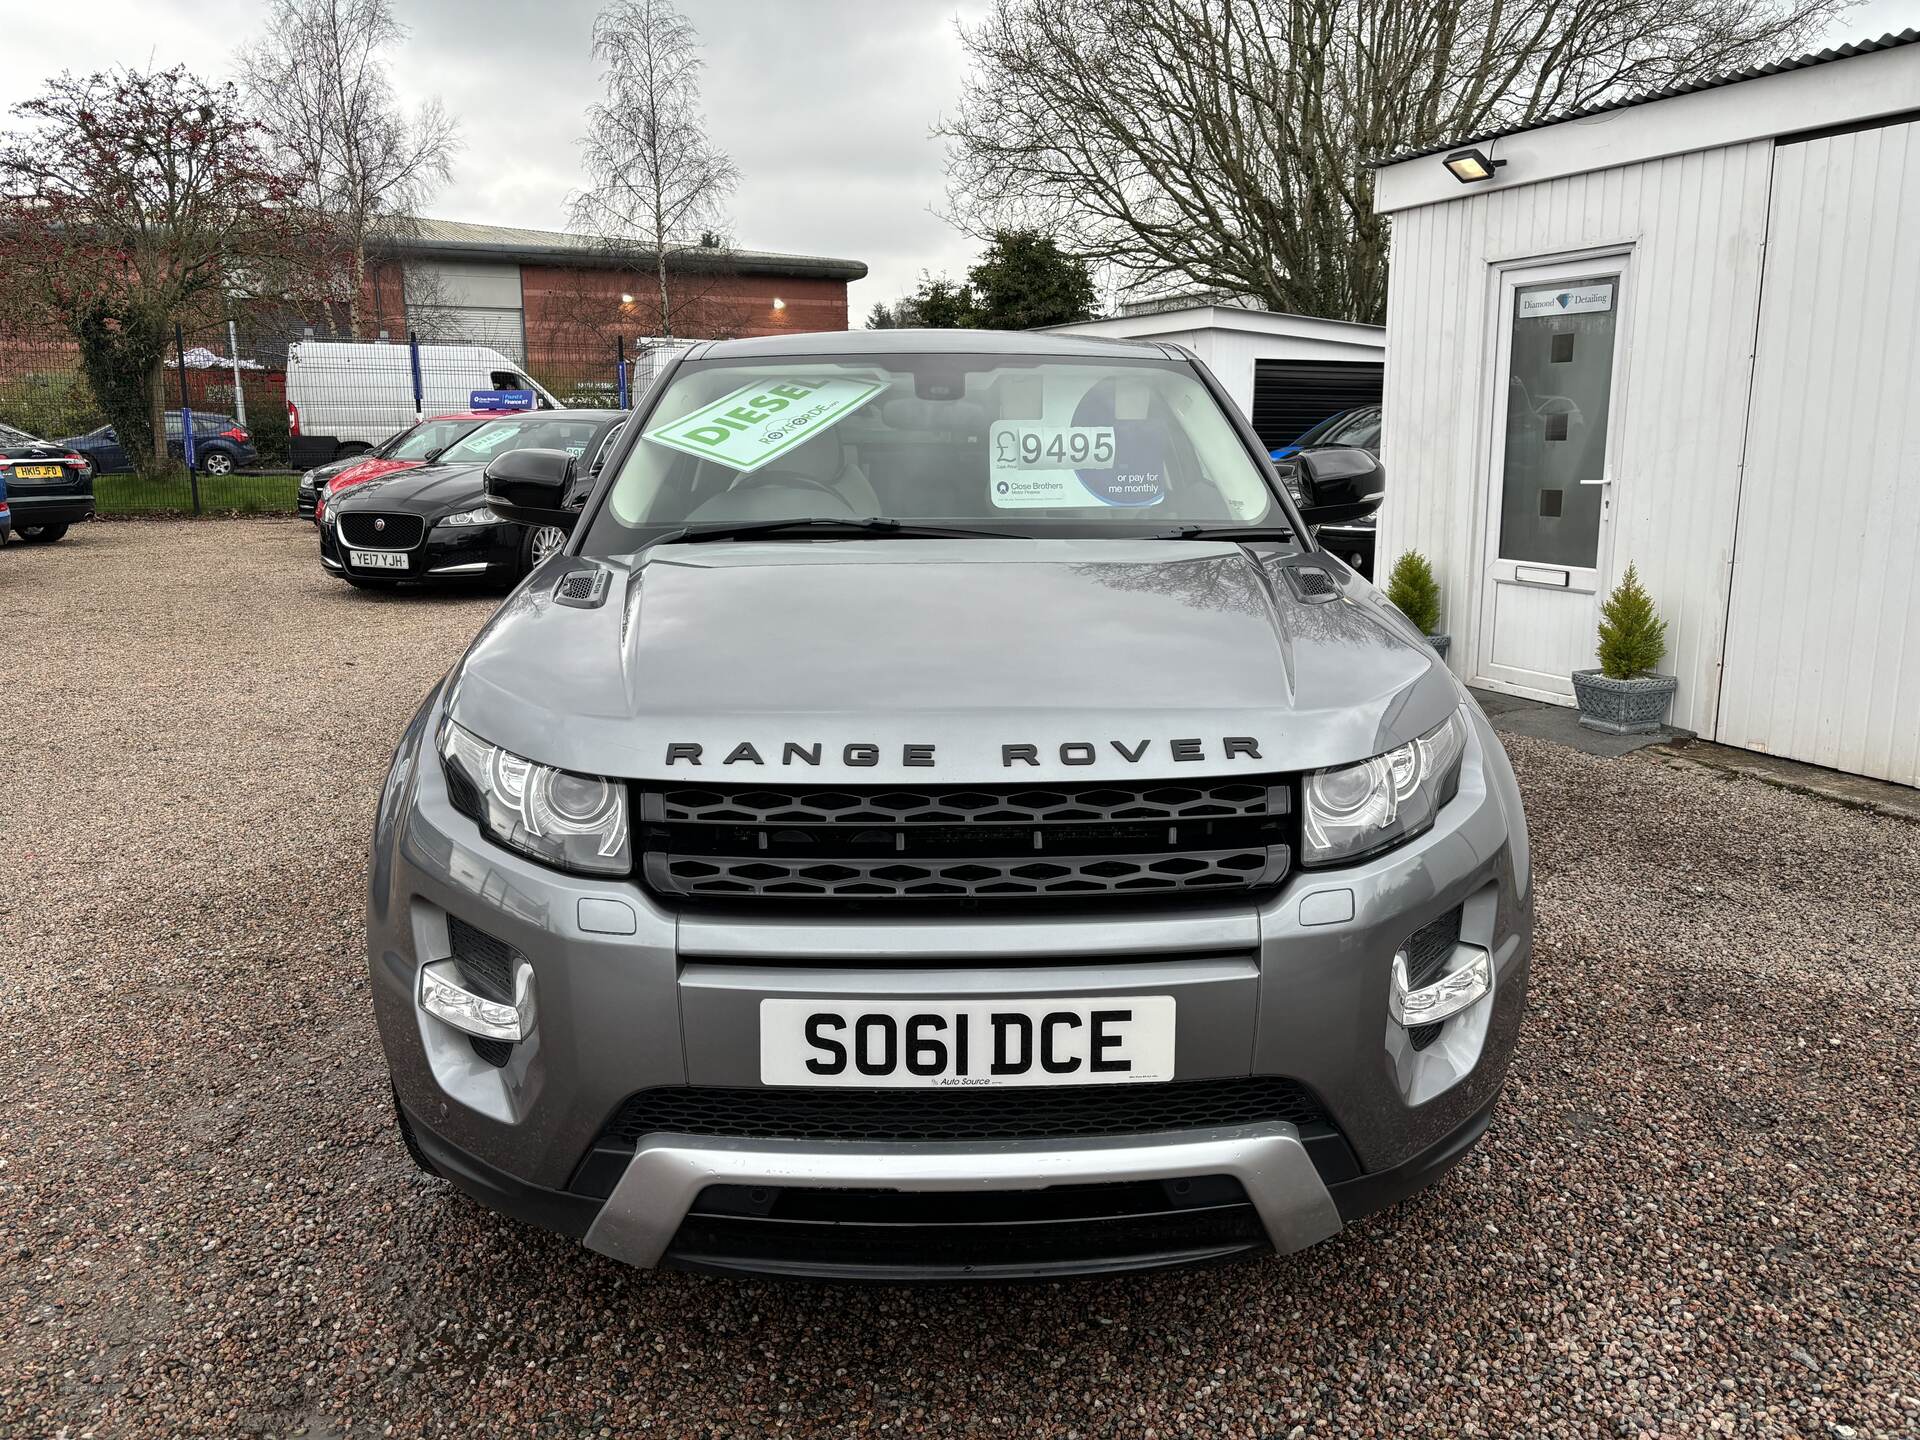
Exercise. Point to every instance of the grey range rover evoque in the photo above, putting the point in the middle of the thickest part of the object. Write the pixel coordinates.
(942, 816)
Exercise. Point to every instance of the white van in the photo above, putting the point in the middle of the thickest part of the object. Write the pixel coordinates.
(345, 397)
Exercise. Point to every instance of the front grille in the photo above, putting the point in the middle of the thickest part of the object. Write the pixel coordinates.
(402, 532)
(1064, 1229)
(1042, 1113)
(1033, 842)
(1065, 1112)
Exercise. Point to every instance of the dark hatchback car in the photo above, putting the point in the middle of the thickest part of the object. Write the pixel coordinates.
(49, 487)
(433, 522)
(221, 445)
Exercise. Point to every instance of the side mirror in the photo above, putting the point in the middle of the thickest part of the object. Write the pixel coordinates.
(531, 486)
(1338, 484)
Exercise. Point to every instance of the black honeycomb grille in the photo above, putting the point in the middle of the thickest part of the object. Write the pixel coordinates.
(381, 532)
(769, 843)
(487, 964)
(1051, 1112)
(1427, 953)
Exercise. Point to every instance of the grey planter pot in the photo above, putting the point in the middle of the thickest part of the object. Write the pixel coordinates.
(1623, 707)
(1440, 644)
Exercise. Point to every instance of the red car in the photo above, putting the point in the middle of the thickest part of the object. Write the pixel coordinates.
(410, 448)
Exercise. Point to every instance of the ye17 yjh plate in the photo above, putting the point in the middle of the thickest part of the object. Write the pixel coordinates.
(912, 1044)
(378, 559)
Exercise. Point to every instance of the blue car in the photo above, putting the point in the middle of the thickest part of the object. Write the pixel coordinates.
(1359, 427)
(221, 445)
(6, 511)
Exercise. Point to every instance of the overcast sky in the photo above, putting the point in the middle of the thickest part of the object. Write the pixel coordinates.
(825, 105)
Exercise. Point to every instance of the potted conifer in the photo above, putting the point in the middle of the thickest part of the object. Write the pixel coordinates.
(1416, 594)
(1624, 696)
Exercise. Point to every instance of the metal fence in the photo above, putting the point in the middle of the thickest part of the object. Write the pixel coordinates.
(267, 405)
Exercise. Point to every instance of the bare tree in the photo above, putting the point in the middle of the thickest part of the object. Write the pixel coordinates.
(654, 174)
(1224, 143)
(318, 82)
(134, 201)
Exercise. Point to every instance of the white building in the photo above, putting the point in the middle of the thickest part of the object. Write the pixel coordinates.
(1681, 332)
(1285, 372)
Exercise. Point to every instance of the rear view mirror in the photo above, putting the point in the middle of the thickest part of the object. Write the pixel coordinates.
(1338, 484)
(531, 486)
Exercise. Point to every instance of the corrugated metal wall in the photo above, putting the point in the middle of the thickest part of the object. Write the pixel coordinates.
(1823, 652)
(1694, 224)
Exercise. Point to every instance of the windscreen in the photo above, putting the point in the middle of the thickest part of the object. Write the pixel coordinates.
(424, 439)
(496, 437)
(1047, 447)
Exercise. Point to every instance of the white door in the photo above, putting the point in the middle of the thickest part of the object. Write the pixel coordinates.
(1822, 658)
(1556, 354)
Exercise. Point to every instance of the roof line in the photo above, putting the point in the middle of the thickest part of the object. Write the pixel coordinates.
(558, 247)
(1889, 41)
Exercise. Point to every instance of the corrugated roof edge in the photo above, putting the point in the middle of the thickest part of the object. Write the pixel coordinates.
(558, 247)
(1888, 41)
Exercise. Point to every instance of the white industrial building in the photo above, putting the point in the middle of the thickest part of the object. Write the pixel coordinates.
(1285, 372)
(1681, 332)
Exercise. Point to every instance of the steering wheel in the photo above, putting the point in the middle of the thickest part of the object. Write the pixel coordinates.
(760, 479)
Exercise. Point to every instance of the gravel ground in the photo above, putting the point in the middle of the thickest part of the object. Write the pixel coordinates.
(1695, 1211)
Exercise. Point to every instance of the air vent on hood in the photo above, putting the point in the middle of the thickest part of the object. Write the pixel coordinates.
(583, 589)
(1310, 584)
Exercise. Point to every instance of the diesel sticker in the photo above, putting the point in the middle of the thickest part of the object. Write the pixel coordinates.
(757, 424)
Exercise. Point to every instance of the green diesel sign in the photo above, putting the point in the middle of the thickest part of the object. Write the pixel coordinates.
(758, 423)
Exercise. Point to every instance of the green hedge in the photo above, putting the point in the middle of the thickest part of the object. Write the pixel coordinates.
(242, 493)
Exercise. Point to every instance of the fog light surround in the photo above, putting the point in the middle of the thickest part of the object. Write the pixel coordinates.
(443, 996)
(1463, 986)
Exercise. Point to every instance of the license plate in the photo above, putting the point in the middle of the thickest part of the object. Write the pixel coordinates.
(907, 1044)
(39, 472)
(378, 559)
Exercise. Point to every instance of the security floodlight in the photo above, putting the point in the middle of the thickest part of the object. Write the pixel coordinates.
(1468, 166)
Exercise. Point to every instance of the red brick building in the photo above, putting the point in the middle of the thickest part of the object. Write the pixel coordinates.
(563, 304)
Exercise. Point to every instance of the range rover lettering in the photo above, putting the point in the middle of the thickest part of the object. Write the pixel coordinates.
(941, 815)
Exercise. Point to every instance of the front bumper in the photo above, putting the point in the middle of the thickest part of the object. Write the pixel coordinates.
(466, 552)
(635, 997)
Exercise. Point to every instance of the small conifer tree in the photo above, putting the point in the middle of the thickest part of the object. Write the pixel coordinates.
(1414, 592)
(1633, 637)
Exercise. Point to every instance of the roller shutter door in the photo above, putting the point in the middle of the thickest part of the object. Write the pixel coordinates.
(1290, 396)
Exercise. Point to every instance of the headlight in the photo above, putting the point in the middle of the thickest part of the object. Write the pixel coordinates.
(573, 822)
(482, 516)
(1357, 809)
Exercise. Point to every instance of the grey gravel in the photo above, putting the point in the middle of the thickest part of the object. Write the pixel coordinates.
(1695, 1212)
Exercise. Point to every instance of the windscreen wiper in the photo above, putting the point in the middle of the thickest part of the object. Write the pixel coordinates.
(848, 526)
(1230, 532)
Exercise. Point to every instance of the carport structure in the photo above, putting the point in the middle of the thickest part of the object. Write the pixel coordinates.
(1680, 331)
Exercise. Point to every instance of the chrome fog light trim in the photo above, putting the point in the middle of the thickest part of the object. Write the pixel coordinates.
(1463, 986)
(445, 998)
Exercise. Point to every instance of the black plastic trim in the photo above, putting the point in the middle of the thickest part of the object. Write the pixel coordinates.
(1361, 1197)
(558, 1210)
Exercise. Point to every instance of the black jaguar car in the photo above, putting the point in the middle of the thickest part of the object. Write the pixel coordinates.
(50, 486)
(433, 523)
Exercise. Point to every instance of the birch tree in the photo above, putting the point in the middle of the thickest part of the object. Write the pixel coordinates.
(1224, 144)
(318, 82)
(654, 174)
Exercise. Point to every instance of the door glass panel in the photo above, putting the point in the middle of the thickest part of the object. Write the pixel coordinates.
(1559, 387)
